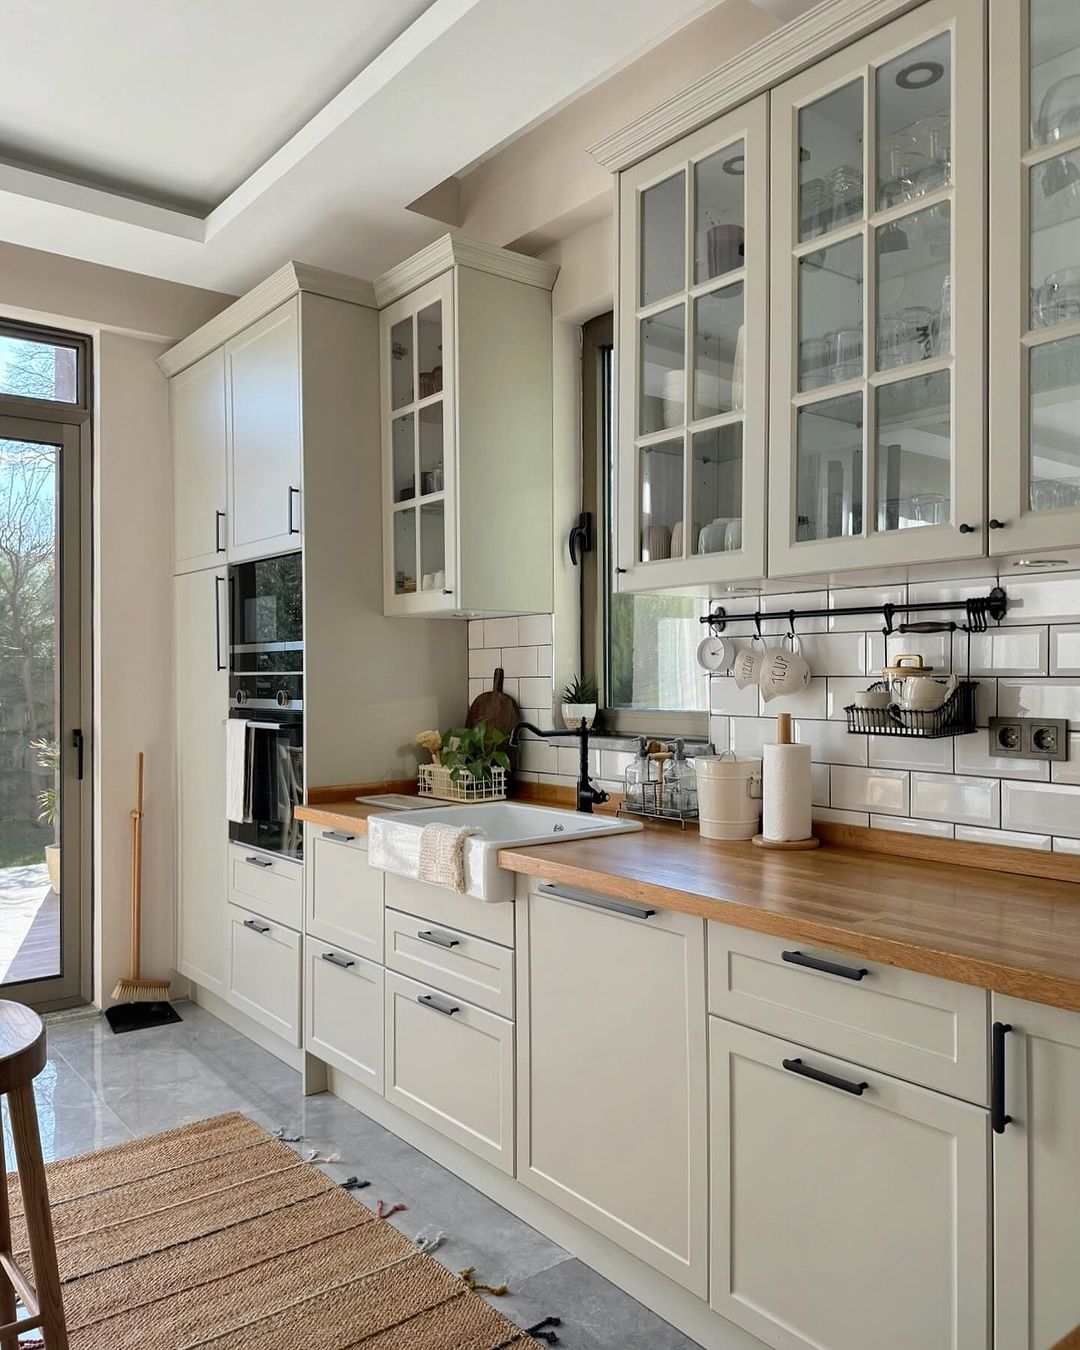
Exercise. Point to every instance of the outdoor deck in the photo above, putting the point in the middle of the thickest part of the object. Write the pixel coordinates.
(29, 925)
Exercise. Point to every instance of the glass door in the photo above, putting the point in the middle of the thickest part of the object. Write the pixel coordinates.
(692, 323)
(42, 758)
(877, 370)
(1035, 274)
(418, 422)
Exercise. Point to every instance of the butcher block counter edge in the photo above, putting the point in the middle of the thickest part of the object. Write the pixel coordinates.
(1010, 933)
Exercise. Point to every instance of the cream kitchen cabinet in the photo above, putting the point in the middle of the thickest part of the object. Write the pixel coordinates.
(343, 1011)
(611, 1090)
(263, 972)
(1034, 274)
(343, 896)
(198, 416)
(849, 1209)
(201, 705)
(878, 363)
(262, 374)
(465, 336)
(693, 324)
(1036, 1118)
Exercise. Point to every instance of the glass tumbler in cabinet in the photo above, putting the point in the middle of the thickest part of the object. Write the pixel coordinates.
(1035, 307)
(877, 235)
(692, 316)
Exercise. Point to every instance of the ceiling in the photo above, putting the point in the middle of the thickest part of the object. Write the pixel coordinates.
(208, 142)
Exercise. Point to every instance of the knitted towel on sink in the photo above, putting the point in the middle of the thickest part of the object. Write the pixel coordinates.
(442, 855)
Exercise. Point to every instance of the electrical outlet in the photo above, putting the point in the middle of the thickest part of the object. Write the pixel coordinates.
(1029, 737)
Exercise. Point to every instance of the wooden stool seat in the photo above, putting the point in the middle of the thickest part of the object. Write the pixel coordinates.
(23, 1054)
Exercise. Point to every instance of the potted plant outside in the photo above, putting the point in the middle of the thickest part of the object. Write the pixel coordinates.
(579, 702)
(48, 757)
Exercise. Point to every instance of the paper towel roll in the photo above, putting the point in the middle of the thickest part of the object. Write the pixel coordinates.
(785, 807)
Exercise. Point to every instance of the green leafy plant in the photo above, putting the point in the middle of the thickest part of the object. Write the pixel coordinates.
(473, 750)
(48, 757)
(581, 690)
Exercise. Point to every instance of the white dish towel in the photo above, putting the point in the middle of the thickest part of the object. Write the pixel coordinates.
(434, 853)
(442, 855)
(237, 770)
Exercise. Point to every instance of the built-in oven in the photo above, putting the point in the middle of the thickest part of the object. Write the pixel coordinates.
(266, 690)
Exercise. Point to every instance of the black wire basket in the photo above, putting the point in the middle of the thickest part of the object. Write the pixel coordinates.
(955, 717)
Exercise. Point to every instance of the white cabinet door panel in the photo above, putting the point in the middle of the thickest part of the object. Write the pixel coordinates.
(264, 972)
(344, 894)
(343, 1011)
(197, 406)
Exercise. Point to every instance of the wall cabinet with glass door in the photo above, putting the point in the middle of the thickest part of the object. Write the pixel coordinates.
(878, 336)
(465, 336)
(692, 342)
(1035, 274)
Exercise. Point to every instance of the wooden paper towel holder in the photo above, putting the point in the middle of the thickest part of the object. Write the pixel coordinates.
(783, 737)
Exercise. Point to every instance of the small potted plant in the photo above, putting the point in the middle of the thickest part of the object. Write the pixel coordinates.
(579, 702)
(48, 758)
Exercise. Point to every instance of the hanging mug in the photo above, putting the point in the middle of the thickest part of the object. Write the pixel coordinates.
(783, 671)
(747, 665)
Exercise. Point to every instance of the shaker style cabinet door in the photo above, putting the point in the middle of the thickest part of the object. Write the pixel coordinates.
(201, 618)
(1036, 1175)
(1034, 274)
(262, 369)
(693, 245)
(197, 407)
(877, 373)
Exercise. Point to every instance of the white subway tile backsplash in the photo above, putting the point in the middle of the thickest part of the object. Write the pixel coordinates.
(535, 692)
(519, 660)
(781, 604)
(972, 756)
(962, 800)
(1068, 770)
(842, 817)
(1047, 599)
(808, 702)
(1066, 845)
(719, 732)
(1040, 698)
(831, 742)
(749, 734)
(725, 696)
(939, 829)
(855, 597)
(538, 756)
(476, 632)
(987, 697)
(819, 784)
(543, 660)
(882, 790)
(833, 653)
(935, 649)
(907, 752)
(500, 632)
(1007, 651)
(841, 692)
(534, 630)
(1035, 807)
(1065, 649)
(971, 835)
(482, 663)
(921, 592)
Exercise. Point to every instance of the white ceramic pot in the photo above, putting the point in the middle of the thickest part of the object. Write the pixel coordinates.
(729, 796)
(573, 714)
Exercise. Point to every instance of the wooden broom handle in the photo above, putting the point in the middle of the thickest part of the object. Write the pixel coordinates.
(136, 868)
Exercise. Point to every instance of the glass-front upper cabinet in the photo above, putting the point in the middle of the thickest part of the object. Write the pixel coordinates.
(693, 355)
(878, 342)
(1035, 274)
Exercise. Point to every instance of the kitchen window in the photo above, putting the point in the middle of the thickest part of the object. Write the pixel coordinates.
(641, 647)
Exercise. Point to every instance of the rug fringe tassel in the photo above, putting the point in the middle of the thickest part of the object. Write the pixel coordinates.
(428, 1244)
(468, 1276)
(287, 1138)
(384, 1212)
(536, 1331)
(354, 1184)
(314, 1156)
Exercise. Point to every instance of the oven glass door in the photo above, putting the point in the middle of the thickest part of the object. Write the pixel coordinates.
(276, 760)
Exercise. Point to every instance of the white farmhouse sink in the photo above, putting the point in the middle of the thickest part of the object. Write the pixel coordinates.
(499, 825)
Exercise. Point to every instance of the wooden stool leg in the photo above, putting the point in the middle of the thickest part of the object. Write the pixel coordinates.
(39, 1229)
(7, 1291)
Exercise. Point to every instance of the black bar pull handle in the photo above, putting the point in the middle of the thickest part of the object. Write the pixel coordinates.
(219, 582)
(820, 1076)
(256, 861)
(826, 967)
(998, 1118)
(430, 1001)
(219, 520)
(335, 960)
(438, 939)
(294, 492)
(78, 744)
(256, 926)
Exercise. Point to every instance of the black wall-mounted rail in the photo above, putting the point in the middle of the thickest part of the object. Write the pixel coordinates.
(979, 609)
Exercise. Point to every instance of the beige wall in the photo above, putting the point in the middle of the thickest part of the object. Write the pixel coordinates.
(130, 318)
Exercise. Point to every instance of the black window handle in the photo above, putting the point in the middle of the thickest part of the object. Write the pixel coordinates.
(826, 967)
(219, 520)
(78, 743)
(293, 494)
(820, 1076)
(998, 1118)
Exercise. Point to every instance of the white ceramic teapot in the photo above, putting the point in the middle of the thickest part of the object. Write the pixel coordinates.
(912, 686)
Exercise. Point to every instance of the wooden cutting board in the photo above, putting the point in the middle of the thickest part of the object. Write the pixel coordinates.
(496, 710)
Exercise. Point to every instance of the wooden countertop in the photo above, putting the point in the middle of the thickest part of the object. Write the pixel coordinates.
(1011, 933)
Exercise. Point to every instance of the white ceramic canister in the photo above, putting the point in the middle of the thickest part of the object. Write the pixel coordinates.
(729, 796)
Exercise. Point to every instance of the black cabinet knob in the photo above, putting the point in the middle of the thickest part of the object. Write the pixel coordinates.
(996, 524)
(967, 529)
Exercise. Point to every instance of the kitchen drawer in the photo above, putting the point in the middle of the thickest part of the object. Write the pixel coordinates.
(467, 967)
(914, 1026)
(343, 895)
(273, 886)
(454, 1070)
(264, 972)
(492, 921)
(343, 1011)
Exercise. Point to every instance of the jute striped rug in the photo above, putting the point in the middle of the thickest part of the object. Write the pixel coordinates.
(216, 1236)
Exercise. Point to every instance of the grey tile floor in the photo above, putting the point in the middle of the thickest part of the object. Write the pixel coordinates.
(99, 1089)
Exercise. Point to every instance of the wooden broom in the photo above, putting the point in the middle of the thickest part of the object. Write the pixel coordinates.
(149, 996)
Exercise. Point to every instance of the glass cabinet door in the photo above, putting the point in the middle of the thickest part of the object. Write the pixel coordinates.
(877, 370)
(418, 488)
(1035, 274)
(692, 324)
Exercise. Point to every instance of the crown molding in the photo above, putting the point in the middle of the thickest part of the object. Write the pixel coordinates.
(455, 250)
(823, 30)
(292, 279)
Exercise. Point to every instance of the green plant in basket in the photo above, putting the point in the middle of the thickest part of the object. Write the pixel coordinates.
(473, 750)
